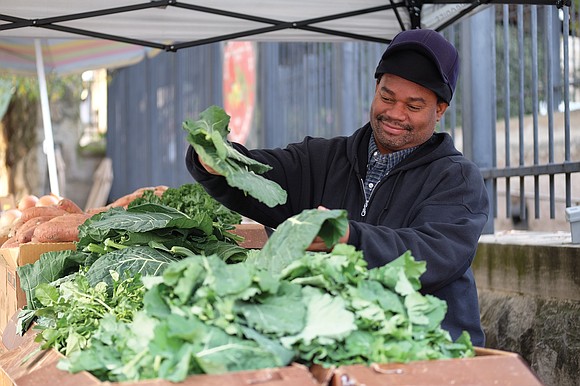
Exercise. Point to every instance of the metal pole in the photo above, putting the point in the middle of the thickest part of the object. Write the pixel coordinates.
(48, 144)
(478, 103)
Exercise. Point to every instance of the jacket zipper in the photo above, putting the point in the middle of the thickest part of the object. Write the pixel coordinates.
(363, 212)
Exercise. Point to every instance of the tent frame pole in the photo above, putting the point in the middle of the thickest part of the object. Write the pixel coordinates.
(48, 143)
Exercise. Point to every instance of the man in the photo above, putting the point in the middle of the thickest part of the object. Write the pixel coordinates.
(404, 186)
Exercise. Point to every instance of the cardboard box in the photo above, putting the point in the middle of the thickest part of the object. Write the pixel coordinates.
(488, 367)
(254, 235)
(12, 296)
(25, 365)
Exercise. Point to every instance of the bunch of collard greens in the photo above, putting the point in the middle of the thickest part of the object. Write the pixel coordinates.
(208, 136)
(142, 239)
(205, 315)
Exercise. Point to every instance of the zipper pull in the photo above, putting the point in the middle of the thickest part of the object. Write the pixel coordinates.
(364, 209)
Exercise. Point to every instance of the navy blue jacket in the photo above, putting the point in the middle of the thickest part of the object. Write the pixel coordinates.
(433, 203)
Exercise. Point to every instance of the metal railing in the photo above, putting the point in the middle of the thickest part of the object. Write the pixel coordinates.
(533, 154)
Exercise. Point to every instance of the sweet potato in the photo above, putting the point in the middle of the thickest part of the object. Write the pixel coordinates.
(59, 229)
(69, 205)
(100, 209)
(126, 200)
(10, 243)
(25, 232)
(36, 211)
(138, 193)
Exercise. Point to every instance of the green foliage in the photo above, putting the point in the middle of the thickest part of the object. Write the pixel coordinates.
(203, 315)
(72, 311)
(208, 136)
(192, 199)
(159, 226)
(57, 86)
(292, 237)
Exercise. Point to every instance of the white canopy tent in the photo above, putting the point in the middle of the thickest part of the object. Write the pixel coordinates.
(171, 25)
(174, 24)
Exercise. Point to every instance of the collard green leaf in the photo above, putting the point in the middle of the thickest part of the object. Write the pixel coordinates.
(283, 314)
(49, 267)
(208, 136)
(281, 354)
(425, 310)
(223, 352)
(146, 217)
(270, 193)
(401, 275)
(228, 279)
(323, 308)
(294, 235)
(142, 259)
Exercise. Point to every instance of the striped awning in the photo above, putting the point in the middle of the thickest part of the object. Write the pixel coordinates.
(67, 56)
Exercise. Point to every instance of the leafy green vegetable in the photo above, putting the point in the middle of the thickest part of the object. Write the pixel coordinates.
(142, 260)
(51, 266)
(202, 314)
(155, 224)
(140, 239)
(72, 310)
(294, 235)
(192, 200)
(208, 316)
(208, 136)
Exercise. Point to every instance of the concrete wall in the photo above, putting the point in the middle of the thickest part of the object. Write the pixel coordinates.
(529, 290)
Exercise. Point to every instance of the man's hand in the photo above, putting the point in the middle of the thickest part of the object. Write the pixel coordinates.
(208, 168)
(318, 244)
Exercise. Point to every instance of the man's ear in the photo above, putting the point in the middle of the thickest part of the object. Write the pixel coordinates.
(441, 108)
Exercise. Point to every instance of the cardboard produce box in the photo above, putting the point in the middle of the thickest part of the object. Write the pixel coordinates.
(12, 297)
(25, 365)
(488, 367)
(254, 235)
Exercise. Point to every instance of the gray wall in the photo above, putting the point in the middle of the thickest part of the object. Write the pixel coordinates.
(530, 301)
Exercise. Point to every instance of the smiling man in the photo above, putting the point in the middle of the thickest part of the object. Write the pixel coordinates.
(404, 186)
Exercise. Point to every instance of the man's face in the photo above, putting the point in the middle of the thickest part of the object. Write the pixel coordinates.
(403, 114)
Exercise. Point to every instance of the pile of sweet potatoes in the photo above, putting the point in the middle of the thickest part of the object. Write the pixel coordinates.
(53, 219)
(47, 224)
(125, 200)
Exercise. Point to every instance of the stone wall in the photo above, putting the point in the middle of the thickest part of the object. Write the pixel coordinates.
(529, 290)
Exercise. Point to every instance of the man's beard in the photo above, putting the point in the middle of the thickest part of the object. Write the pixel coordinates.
(388, 142)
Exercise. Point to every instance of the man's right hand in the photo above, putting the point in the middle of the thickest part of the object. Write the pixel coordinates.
(208, 168)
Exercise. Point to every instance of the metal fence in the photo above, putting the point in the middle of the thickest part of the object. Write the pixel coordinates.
(534, 155)
(511, 114)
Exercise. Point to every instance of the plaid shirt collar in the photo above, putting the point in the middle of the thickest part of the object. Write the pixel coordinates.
(379, 165)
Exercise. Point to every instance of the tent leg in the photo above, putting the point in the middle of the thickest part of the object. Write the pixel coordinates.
(48, 144)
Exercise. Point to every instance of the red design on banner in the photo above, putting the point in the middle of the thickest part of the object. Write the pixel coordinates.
(239, 88)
